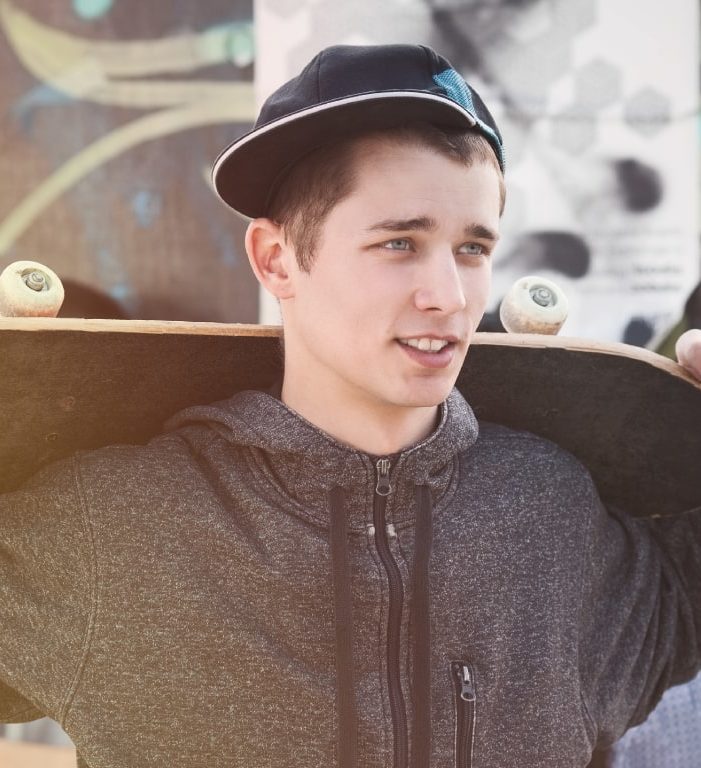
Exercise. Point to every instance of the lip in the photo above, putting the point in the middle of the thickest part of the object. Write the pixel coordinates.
(449, 338)
(435, 360)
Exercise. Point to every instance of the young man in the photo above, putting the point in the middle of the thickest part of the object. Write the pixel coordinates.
(348, 571)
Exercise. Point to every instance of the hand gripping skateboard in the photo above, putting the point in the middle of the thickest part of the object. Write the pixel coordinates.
(632, 417)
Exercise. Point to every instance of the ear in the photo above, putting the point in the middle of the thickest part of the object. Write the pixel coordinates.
(272, 258)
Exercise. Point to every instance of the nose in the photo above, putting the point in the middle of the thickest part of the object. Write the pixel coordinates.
(440, 287)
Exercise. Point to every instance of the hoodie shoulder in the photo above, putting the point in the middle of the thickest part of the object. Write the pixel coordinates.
(528, 463)
(507, 442)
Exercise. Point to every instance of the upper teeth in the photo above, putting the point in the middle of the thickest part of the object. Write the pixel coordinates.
(434, 345)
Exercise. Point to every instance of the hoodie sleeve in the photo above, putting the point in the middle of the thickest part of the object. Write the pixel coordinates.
(641, 615)
(46, 592)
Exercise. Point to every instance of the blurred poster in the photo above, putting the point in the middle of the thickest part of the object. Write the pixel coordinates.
(113, 112)
(597, 101)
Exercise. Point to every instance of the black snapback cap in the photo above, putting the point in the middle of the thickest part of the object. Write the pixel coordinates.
(345, 90)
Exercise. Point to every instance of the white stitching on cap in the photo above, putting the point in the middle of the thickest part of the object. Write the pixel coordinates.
(328, 105)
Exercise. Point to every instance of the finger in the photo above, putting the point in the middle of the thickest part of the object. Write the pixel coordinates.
(688, 349)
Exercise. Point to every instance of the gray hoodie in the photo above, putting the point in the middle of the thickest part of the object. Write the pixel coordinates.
(246, 592)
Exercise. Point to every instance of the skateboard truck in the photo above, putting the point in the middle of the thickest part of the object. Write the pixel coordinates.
(29, 289)
(35, 280)
(534, 305)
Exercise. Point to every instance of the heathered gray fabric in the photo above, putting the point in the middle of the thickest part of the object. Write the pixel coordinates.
(172, 604)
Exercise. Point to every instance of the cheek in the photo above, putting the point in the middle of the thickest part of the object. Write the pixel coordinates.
(487, 285)
(478, 285)
(337, 305)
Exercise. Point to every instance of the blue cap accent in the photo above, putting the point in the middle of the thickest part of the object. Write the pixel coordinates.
(455, 88)
(459, 91)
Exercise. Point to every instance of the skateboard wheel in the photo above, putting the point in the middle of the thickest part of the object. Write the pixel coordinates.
(534, 305)
(29, 289)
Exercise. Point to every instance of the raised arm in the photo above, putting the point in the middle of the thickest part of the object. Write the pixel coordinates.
(45, 589)
(641, 615)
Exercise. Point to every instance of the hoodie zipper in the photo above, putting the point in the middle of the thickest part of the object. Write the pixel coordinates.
(465, 710)
(396, 599)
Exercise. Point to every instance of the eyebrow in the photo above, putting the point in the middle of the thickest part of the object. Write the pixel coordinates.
(428, 224)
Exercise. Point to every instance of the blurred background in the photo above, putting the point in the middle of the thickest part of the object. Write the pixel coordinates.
(111, 114)
(113, 111)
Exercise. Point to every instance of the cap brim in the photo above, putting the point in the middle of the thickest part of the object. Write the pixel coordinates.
(245, 173)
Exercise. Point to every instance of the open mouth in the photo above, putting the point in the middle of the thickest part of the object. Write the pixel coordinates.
(428, 343)
(425, 344)
(429, 352)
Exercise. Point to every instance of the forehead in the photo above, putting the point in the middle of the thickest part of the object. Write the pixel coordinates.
(411, 176)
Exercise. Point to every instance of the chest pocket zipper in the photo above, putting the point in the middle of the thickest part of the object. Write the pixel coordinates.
(463, 678)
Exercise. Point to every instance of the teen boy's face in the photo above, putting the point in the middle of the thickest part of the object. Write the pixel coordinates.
(400, 280)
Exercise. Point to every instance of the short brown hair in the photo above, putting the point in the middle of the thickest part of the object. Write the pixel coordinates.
(310, 188)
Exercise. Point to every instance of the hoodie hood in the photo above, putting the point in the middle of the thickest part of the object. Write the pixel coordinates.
(305, 463)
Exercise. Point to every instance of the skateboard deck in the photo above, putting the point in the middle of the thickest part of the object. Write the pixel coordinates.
(632, 417)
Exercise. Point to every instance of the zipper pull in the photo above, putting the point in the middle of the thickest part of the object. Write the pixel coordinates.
(467, 687)
(383, 487)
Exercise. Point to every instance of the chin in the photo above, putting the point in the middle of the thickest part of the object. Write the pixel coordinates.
(428, 394)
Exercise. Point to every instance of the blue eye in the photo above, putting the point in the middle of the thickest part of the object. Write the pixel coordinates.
(472, 249)
(398, 244)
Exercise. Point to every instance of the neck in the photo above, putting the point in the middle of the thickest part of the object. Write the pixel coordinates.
(379, 431)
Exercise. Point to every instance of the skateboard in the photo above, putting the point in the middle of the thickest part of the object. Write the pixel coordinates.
(631, 416)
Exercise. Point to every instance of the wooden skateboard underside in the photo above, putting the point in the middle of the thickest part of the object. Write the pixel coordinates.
(632, 417)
